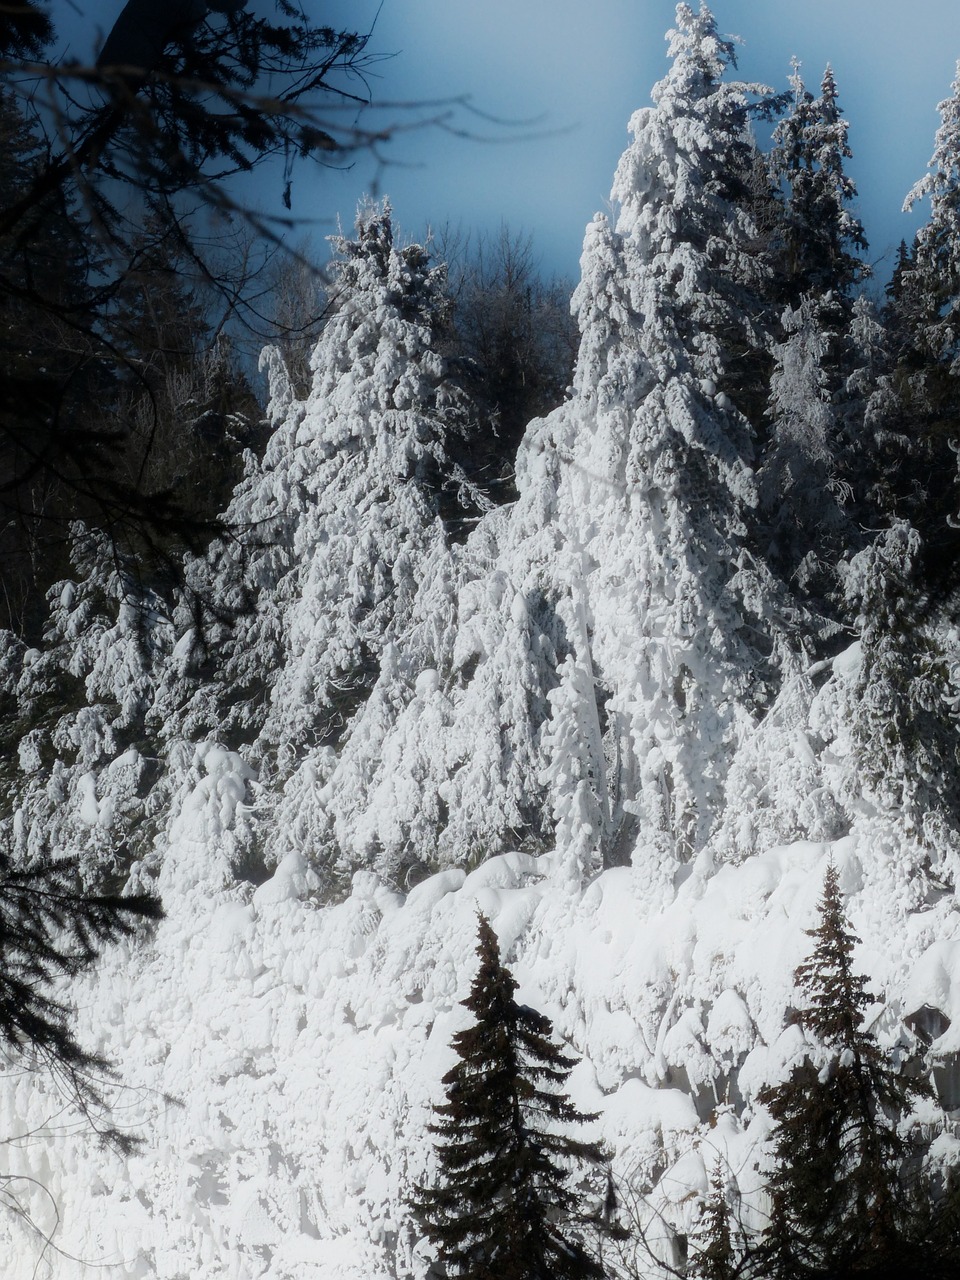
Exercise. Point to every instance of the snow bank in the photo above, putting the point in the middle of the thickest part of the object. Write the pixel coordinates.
(280, 1058)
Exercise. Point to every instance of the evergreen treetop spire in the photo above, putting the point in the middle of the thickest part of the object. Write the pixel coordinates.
(700, 54)
(821, 239)
(837, 996)
(937, 249)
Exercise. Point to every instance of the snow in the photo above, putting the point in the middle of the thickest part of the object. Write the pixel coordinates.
(280, 1056)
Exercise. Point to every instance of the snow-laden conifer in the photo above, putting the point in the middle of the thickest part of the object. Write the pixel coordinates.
(934, 278)
(873, 435)
(88, 761)
(924, 322)
(337, 524)
(778, 788)
(901, 709)
(816, 263)
(443, 765)
(380, 801)
(656, 458)
(801, 488)
(576, 770)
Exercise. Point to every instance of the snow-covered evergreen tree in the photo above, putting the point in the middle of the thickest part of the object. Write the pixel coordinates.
(924, 314)
(340, 520)
(443, 765)
(935, 265)
(380, 800)
(800, 486)
(656, 455)
(902, 706)
(88, 759)
(873, 434)
(816, 264)
(576, 771)
(820, 240)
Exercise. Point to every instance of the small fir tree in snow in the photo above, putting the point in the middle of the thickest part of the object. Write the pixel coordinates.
(505, 1206)
(715, 1249)
(841, 1197)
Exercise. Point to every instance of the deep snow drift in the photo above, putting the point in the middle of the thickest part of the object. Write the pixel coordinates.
(280, 1059)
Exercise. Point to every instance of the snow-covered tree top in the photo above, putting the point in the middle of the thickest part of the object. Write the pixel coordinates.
(821, 237)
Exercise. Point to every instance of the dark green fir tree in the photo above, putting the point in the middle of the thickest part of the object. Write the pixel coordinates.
(716, 1246)
(847, 1194)
(505, 1205)
(819, 244)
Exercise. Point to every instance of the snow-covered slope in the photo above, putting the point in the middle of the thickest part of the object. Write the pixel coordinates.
(280, 1059)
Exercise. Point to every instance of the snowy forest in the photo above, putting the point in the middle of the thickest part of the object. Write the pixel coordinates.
(492, 809)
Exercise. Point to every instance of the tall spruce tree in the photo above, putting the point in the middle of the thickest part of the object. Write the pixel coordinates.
(685, 626)
(816, 259)
(843, 1200)
(348, 501)
(902, 706)
(819, 242)
(504, 1206)
(345, 529)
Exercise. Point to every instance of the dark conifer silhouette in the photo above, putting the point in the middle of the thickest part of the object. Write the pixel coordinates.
(504, 1207)
(847, 1197)
(50, 928)
(819, 242)
(717, 1251)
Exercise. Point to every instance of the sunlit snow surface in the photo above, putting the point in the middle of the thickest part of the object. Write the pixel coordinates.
(280, 1059)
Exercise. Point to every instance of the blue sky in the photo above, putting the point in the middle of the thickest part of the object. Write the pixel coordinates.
(580, 70)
